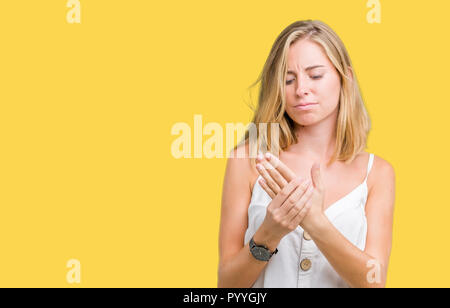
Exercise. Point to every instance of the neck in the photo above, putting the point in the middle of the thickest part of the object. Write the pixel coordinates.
(316, 141)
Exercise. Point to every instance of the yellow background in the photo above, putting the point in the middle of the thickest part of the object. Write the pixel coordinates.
(86, 112)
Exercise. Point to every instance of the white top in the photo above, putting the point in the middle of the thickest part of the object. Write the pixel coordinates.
(283, 270)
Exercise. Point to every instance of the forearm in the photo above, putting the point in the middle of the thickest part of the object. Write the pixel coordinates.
(352, 264)
(243, 269)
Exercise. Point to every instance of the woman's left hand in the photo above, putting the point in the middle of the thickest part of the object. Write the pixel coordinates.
(276, 175)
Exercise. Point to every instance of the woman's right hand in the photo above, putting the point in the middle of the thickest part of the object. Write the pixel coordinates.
(285, 212)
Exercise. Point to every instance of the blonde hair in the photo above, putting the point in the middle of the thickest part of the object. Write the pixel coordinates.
(353, 123)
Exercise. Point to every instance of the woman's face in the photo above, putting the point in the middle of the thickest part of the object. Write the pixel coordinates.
(311, 79)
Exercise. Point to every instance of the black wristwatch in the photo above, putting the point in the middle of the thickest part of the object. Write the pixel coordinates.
(261, 253)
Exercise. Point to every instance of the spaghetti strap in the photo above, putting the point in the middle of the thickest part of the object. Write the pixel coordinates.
(369, 165)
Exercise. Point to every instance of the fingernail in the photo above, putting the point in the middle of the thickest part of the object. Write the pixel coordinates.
(260, 156)
(268, 156)
(259, 167)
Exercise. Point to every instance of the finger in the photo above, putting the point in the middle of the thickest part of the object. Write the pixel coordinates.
(288, 207)
(266, 176)
(304, 205)
(285, 192)
(295, 196)
(264, 186)
(276, 176)
(284, 170)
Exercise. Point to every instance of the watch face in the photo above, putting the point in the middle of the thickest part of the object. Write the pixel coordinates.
(261, 253)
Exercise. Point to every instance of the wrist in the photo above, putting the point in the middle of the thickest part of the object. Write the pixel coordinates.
(262, 237)
(318, 225)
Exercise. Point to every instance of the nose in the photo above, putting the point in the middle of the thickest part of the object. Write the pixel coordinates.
(303, 86)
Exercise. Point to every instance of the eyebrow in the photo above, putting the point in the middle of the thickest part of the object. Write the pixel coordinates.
(306, 69)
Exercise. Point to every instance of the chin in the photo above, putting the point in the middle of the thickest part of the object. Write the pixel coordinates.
(306, 120)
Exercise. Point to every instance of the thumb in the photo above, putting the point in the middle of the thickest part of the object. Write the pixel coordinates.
(316, 177)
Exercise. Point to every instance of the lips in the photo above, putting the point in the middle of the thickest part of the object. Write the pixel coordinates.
(305, 104)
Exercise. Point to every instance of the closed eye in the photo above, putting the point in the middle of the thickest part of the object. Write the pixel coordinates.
(288, 82)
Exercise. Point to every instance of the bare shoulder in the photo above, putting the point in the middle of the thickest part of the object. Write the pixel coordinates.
(381, 174)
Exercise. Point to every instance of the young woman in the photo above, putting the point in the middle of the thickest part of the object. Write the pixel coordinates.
(319, 211)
